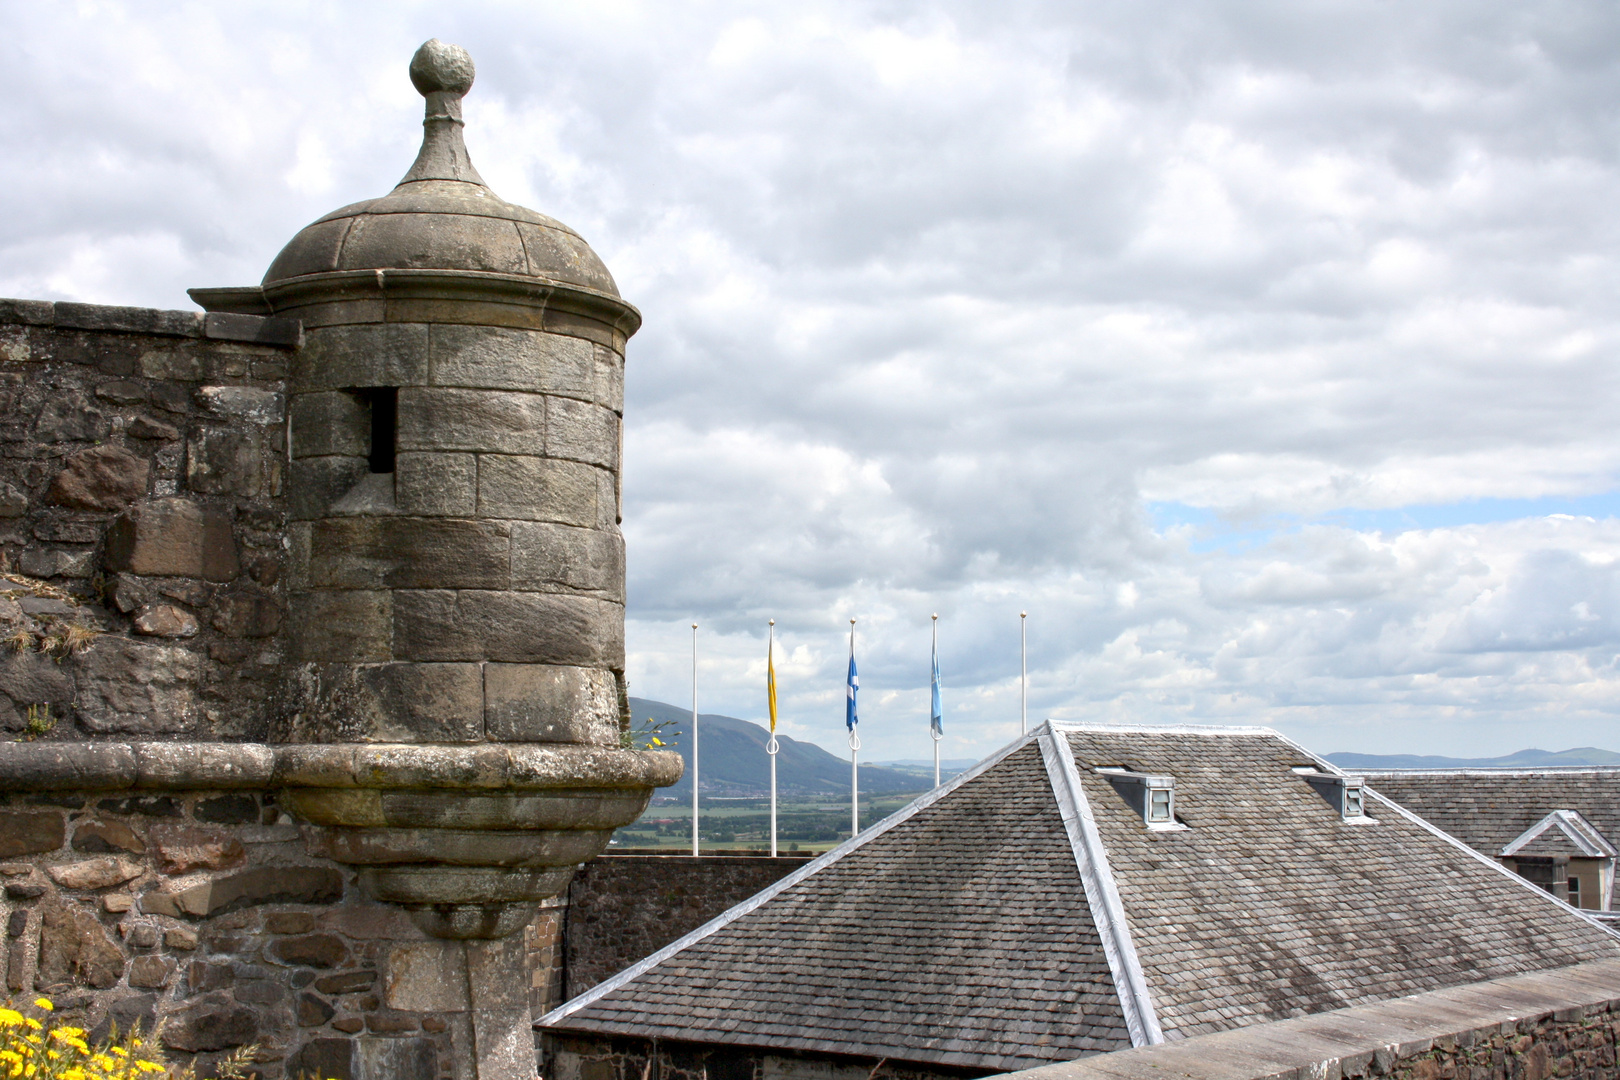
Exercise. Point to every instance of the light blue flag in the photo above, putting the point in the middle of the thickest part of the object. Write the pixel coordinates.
(936, 712)
(850, 718)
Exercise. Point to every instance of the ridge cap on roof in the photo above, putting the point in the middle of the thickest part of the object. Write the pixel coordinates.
(737, 911)
(1163, 729)
(1501, 770)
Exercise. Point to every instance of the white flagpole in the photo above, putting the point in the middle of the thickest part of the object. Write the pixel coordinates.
(932, 676)
(772, 746)
(694, 745)
(1023, 674)
(854, 749)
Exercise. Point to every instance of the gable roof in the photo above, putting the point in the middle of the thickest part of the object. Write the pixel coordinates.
(1488, 809)
(1562, 832)
(1024, 913)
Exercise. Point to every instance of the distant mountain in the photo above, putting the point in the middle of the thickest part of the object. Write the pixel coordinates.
(1524, 759)
(955, 764)
(731, 754)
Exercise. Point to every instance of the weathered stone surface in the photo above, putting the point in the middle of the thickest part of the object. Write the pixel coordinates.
(100, 478)
(241, 403)
(165, 620)
(158, 806)
(523, 628)
(13, 503)
(319, 482)
(311, 950)
(247, 612)
(69, 418)
(436, 484)
(392, 703)
(344, 625)
(407, 553)
(428, 976)
(581, 431)
(348, 982)
(313, 1011)
(95, 873)
(117, 903)
(538, 489)
(151, 972)
(53, 562)
(16, 891)
(379, 354)
(403, 1059)
(289, 922)
(144, 427)
(134, 686)
(178, 937)
(544, 703)
(107, 836)
(330, 422)
(557, 558)
(127, 1013)
(140, 935)
(181, 849)
(30, 832)
(74, 949)
(260, 885)
(227, 461)
(214, 1022)
(608, 388)
(501, 359)
(33, 679)
(492, 421)
(173, 537)
(228, 810)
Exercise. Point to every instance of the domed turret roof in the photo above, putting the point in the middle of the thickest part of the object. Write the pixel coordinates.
(442, 216)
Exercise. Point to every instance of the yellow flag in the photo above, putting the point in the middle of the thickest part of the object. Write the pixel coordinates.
(770, 682)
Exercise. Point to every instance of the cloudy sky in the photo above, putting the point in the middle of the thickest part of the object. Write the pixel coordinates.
(1263, 352)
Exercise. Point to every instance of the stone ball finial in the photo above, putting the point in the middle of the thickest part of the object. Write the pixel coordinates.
(441, 68)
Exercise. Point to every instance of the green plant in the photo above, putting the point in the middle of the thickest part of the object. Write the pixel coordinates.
(40, 721)
(649, 736)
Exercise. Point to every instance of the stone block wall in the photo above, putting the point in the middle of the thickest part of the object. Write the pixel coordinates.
(201, 915)
(623, 908)
(142, 463)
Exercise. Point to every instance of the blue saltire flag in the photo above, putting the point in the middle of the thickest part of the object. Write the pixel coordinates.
(936, 712)
(850, 718)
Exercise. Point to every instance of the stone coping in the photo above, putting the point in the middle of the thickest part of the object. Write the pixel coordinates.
(1352, 1041)
(180, 766)
(218, 326)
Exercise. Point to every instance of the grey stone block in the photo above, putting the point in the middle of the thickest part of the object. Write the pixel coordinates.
(607, 500)
(396, 1059)
(426, 976)
(32, 679)
(608, 387)
(127, 685)
(330, 423)
(173, 537)
(580, 431)
(562, 558)
(222, 326)
(550, 703)
(438, 484)
(372, 354)
(522, 628)
(128, 319)
(241, 403)
(409, 553)
(343, 626)
(492, 421)
(319, 482)
(500, 359)
(227, 461)
(538, 489)
(392, 703)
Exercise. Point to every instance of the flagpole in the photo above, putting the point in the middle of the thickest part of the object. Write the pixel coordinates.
(694, 745)
(853, 718)
(772, 746)
(934, 717)
(1023, 674)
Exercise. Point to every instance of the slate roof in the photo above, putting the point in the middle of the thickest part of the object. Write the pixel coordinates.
(1024, 914)
(1488, 809)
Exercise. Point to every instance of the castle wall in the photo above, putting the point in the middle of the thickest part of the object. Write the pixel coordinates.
(142, 468)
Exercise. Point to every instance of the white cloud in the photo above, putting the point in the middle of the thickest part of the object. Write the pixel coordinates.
(939, 297)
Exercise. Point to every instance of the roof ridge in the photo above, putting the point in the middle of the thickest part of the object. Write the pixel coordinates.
(1160, 729)
(719, 922)
(1500, 770)
(1102, 894)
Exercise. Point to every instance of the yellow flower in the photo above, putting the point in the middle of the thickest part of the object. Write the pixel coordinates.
(119, 1050)
(31, 1022)
(10, 1017)
(44, 1003)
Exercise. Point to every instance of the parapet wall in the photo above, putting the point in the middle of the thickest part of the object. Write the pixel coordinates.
(141, 497)
(1563, 1023)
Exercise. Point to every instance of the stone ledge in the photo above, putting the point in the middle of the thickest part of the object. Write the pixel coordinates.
(178, 766)
(1362, 1038)
(281, 333)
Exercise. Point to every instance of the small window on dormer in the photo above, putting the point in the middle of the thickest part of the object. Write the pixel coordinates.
(1153, 796)
(1346, 794)
(1158, 804)
(1352, 800)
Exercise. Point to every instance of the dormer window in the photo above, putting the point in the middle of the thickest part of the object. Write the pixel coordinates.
(1346, 794)
(1151, 795)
